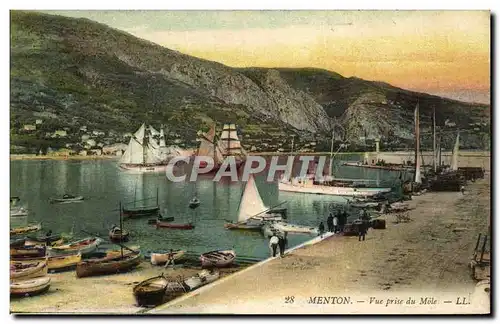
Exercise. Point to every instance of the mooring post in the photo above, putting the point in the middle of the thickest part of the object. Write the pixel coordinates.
(484, 246)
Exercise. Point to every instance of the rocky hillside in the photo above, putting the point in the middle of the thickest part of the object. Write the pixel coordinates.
(76, 72)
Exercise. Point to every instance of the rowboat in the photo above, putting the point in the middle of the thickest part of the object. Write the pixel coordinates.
(52, 240)
(185, 226)
(108, 265)
(117, 235)
(66, 199)
(115, 253)
(137, 212)
(18, 211)
(194, 203)
(23, 270)
(16, 243)
(30, 287)
(56, 263)
(292, 228)
(26, 229)
(159, 258)
(85, 246)
(151, 292)
(217, 259)
(28, 251)
(201, 278)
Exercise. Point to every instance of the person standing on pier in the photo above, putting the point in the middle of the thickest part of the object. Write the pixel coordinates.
(281, 243)
(362, 227)
(273, 243)
(170, 259)
(321, 229)
(462, 189)
(329, 223)
(336, 224)
(342, 220)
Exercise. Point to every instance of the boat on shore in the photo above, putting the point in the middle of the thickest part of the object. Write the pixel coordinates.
(66, 199)
(158, 258)
(118, 252)
(108, 265)
(30, 287)
(26, 229)
(18, 242)
(84, 246)
(202, 278)
(49, 240)
(27, 270)
(217, 259)
(181, 226)
(28, 251)
(151, 292)
(116, 234)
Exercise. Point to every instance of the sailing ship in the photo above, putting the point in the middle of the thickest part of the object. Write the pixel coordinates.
(252, 213)
(228, 144)
(144, 152)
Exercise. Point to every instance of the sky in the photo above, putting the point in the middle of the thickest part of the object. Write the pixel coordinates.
(446, 53)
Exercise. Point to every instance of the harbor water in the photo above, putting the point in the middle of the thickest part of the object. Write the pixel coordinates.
(104, 186)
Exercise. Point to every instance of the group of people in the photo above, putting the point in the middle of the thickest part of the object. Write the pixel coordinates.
(277, 240)
(337, 223)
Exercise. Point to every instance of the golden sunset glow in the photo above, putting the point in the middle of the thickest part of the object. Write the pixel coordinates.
(440, 52)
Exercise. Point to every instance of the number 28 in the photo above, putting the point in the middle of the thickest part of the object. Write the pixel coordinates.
(289, 299)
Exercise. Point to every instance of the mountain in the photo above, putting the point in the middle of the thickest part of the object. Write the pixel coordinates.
(75, 72)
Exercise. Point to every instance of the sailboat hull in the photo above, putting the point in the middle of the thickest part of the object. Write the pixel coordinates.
(144, 168)
(332, 191)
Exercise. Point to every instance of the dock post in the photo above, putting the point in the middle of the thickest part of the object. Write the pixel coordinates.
(482, 249)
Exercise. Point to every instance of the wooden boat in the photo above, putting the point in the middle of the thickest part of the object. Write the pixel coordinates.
(151, 292)
(292, 228)
(142, 211)
(160, 258)
(30, 287)
(201, 278)
(51, 240)
(24, 270)
(117, 235)
(26, 229)
(66, 199)
(118, 252)
(183, 226)
(243, 226)
(28, 251)
(16, 243)
(217, 259)
(85, 246)
(56, 263)
(160, 218)
(108, 265)
(194, 203)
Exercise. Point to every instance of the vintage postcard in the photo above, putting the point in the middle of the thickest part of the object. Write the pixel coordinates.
(250, 162)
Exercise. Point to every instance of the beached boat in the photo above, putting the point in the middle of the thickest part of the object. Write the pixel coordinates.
(108, 265)
(26, 229)
(118, 252)
(84, 246)
(228, 144)
(117, 235)
(160, 258)
(182, 226)
(252, 213)
(202, 278)
(18, 242)
(30, 287)
(151, 292)
(23, 270)
(161, 218)
(336, 187)
(56, 263)
(217, 259)
(28, 251)
(143, 154)
(66, 199)
(49, 240)
(18, 211)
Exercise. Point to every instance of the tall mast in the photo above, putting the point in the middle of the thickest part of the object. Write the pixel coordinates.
(331, 155)
(121, 230)
(144, 145)
(214, 141)
(418, 178)
(293, 140)
(434, 137)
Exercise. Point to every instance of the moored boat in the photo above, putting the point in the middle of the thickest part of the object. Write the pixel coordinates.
(30, 287)
(27, 270)
(194, 203)
(161, 218)
(140, 211)
(66, 199)
(116, 234)
(108, 265)
(151, 292)
(18, 211)
(84, 246)
(183, 226)
(49, 240)
(26, 229)
(160, 258)
(28, 251)
(292, 228)
(217, 259)
(202, 278)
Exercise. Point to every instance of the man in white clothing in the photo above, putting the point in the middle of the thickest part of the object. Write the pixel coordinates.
(335, 224)
(273, 243)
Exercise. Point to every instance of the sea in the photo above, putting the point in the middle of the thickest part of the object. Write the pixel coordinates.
(104, 187)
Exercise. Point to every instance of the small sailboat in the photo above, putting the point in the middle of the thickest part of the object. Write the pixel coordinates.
(194, 203)
(118, 234)
(217, 259)
(30, 287)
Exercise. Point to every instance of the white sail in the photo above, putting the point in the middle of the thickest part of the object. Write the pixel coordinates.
(418, 176)
(454, 158)
(135, 151)
(153, 131)
(251, 203)
(229, 141)
(162, 139)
